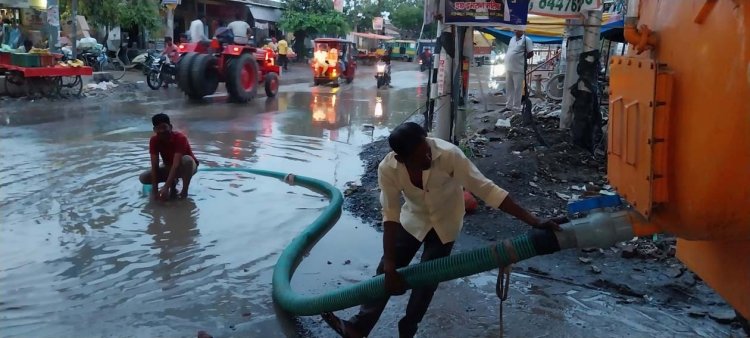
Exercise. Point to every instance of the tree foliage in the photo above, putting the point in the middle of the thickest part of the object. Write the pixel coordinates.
(110, 13)
(313, 17)
(408, 19)
(310, 18)
(361, 13)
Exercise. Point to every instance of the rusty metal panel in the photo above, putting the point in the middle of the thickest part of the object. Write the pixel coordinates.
(630, 130)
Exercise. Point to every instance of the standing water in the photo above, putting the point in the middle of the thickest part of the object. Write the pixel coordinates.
(85, 253)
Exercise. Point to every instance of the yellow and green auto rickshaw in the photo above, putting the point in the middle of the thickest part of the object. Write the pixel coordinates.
(405, 50)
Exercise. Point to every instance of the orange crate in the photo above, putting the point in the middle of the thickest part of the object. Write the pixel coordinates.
(48, 60)
(5, 58)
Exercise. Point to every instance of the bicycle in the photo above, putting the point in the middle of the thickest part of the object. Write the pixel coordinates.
(102, 62)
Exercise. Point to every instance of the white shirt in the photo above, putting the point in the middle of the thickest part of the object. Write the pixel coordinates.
(196, 31)
(239, 30)
(515, 56)
(440, 205)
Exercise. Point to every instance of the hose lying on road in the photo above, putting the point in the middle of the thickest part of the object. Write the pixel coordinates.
(463, 264)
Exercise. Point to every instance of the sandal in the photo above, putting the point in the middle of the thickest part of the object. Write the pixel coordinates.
(342, 327)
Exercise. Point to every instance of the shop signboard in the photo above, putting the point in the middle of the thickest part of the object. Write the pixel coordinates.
(486, 12)
(569, 9)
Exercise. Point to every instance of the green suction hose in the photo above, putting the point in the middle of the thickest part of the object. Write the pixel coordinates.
(418, 275)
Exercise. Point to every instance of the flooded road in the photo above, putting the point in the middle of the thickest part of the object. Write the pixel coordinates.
(86, 254)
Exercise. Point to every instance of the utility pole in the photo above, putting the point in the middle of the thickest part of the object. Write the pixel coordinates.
(74, 43)
(573, 48)
(443, 123)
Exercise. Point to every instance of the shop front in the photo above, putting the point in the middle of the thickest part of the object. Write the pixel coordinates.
(265, 21)
(31, 18)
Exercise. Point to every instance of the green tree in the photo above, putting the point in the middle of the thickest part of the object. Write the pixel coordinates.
(361, 13)
(310, 18)
(408, 16)
(110, 13)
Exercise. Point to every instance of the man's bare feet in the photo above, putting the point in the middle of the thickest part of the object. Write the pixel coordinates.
(342, 327)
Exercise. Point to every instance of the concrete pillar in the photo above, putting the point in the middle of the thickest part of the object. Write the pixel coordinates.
(443, 122)
(467, 51)
(574, 46)
(170, 23)
(592, 31)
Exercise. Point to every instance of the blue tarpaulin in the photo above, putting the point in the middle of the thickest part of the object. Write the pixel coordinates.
(610, 31)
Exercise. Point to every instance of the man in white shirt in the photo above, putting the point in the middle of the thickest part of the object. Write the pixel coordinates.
(430, 174)
(520, 48)
(321, 58)
(240, 29)
(197, 30)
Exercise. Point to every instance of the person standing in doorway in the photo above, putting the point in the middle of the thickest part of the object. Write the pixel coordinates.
(283, 47)
(520, 48)
(198, 29)
(430, 174)
(15, 35)
(240, 29)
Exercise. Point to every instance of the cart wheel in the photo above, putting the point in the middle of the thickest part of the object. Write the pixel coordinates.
(272, 84)
(242, 77)
(16, 80)
(48, 86)
(74, 83)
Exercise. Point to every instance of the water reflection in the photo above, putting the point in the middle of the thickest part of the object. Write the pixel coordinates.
(173, 227)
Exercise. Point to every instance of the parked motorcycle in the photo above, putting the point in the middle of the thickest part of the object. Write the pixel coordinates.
(382, 74)
(145, 60)
(161, 72)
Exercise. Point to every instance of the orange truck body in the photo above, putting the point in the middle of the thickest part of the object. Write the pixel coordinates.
(679, 134)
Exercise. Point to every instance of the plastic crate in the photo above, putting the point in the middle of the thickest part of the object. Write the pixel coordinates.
(5, 58)
(25, 60)
(48, 60)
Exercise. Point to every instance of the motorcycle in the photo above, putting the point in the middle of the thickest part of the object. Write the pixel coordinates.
(382, 74)
(425, 63)
(145, 60)
(161, 72)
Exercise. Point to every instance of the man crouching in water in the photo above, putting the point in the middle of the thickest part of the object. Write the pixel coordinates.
(178, 158)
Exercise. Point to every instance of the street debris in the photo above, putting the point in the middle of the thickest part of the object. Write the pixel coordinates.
(106, 85)
(502, 123)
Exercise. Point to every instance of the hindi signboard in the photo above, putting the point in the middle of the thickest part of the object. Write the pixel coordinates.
(486, 12)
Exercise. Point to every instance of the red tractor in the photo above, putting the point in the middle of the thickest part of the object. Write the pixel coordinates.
(243, 68)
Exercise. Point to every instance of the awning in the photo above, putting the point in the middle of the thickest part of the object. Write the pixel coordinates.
(611, 31)
(372, 36)
(15, 3)
(268, 14)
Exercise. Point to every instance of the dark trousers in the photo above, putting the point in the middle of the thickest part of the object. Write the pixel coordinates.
(283, 61)
(406, 247)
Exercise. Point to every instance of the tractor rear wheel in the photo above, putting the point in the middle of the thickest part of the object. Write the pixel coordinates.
(242, 77)
(204, 75)
(272, 84)
(183, 73)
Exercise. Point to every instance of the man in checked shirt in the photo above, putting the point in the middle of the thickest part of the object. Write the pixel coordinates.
(430, 174)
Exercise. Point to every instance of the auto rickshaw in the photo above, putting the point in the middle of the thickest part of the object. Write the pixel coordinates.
(333, 59)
